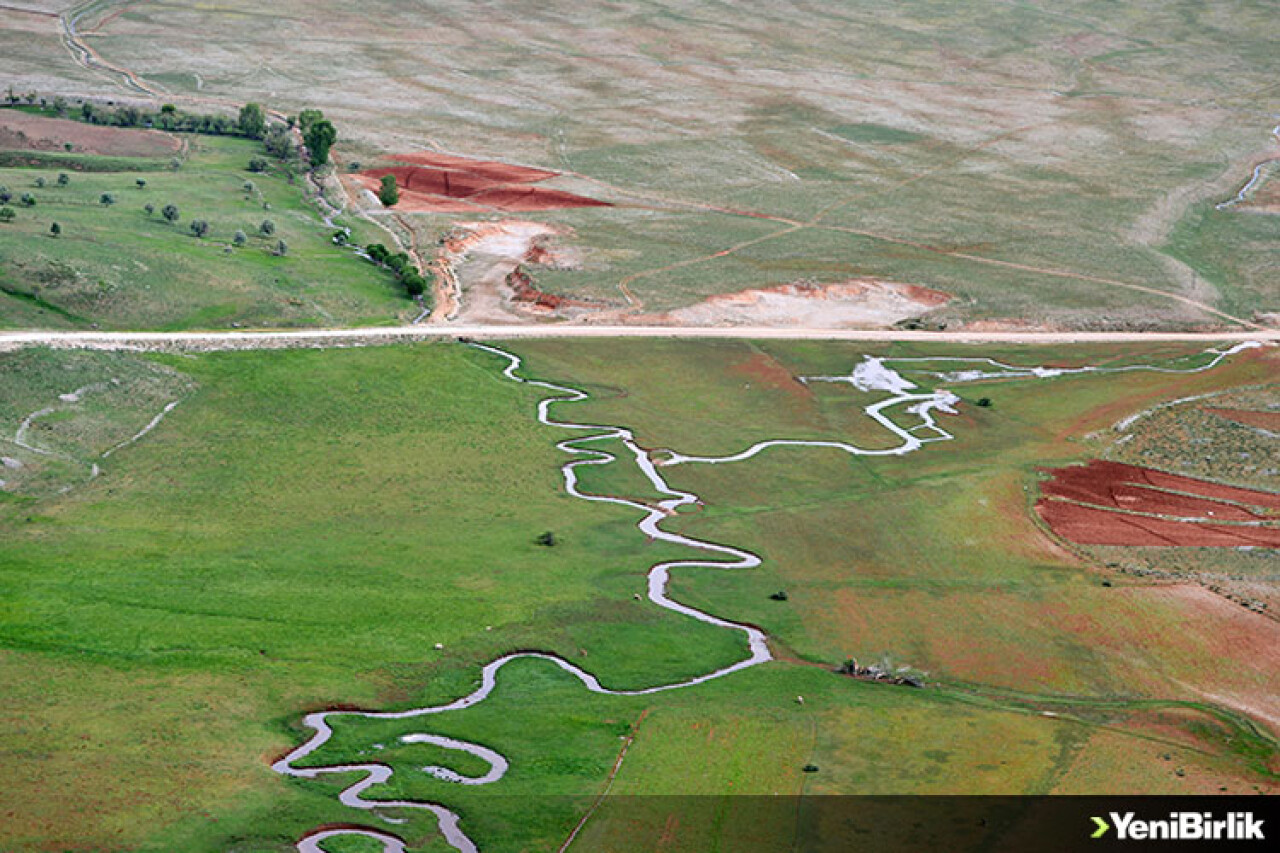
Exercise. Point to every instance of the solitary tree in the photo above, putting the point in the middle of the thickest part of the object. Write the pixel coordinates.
(282, 248)
(55, 229)
(142, 184)
(257, 164)
(28, 200)
(240, 238)
(40, 181)
(249, 187)
(149, 208)
(5, 195)
(7, 214)
(106, 199)
(63, 179)
(199, 228)
(253, 121)
(267, 228)
(320, 138)
(170, 212)
(389, 193)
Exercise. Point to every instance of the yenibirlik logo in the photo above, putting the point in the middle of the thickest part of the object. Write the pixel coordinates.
(1182, 826)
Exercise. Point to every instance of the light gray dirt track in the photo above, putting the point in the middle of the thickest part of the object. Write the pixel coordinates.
(274, 339)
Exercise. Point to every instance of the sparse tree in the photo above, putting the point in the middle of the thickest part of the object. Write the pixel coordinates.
(389, 193)
(40, 182)
(63, 179)
(28, 200)
(141, 183)
(199, 228)
(320, 138)
(149, 208)
(7, 214)
(5, 195)
(282, 248)
(253, 121)
(170, 212)
(240, 238)
(267, 228)
(106, 199)
(55, 229)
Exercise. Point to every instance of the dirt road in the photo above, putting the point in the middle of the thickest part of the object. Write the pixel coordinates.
(398, 334)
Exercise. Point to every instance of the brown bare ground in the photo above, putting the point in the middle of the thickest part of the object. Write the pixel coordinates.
(1269, 421)
(26, 132)
(444, 183)
(1113, 485)
(1087, 525)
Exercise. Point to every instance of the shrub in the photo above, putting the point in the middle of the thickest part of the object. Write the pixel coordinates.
(141, 182)
(239, 238)
(28, 200)
(5, 195)
(149, 208)
(40, 182)
(106, 199)
(55, 229)
(170, 212)
(63, 179)
(267, 228)
(199, 228)
(282, 249)
(389, 193)
(258, 164)
(7, 214)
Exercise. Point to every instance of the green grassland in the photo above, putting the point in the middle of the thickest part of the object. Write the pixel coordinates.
(306, 526)
(1080, 138)
(118, 267)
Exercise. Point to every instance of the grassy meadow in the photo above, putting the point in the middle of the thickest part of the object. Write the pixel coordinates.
(117, 267)
(305, 527)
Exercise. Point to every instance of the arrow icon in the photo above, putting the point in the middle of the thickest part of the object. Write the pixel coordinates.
(1102, 827)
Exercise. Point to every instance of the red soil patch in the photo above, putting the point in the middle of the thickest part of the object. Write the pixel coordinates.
(26, 132)
(1080, 503)
(768, 372)
(1262, 420)
(504, 173)
(448, 184)
(1089, 525)
(1118, 486)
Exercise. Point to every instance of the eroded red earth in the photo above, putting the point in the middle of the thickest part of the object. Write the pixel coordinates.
(444, 183)
(1110, 503)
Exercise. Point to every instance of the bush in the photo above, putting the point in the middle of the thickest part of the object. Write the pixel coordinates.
(7, 214)
(170, 212)
(199, 228)
(141, 182)
(149, 208)
(28, 200)
(55, 229)
(389, 193)
(258, 164)
(249, 186)
(282, 249)
(5, 195)
(267, 228)
(106, 199)
(546, 540)
(240, 238)
(63, 179)
(40, 183)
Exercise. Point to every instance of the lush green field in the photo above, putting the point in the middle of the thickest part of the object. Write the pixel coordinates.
(306, 526)
(118, 267)
(1075, 139)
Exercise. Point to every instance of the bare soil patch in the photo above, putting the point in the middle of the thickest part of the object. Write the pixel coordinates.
(850, 304)
(21, 131)
(1269, 421)
(1096, 504)
(443, 183)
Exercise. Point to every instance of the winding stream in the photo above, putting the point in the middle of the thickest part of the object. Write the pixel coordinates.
(871, 375)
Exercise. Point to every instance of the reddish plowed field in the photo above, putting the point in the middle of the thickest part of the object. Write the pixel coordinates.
(1112, 484)
(1269, 421)
(448, 184)
(1089, 525)
(1080, 503)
